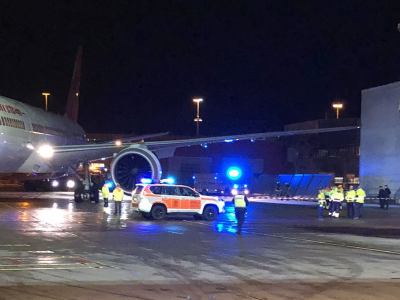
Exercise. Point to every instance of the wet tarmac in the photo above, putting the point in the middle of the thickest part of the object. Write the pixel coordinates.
(52, 248)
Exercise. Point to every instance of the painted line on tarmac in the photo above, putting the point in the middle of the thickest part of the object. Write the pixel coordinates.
(330, 243)
(49, 268)
(15, 245)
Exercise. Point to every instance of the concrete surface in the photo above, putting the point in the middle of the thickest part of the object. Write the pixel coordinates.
(51, 248)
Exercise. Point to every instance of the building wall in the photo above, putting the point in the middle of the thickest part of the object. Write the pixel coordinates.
(380, 139)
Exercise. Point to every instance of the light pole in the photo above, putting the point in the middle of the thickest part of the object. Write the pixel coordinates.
(337, 106)
(197, 119)
(45, 99)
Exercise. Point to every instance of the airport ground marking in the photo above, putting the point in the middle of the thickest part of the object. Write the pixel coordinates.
(329, 243)
(50, 268)
(313, 241)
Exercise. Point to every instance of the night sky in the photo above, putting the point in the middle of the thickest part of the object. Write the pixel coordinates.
(258, 64)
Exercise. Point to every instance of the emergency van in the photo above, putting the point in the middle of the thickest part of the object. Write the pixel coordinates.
(155, 201)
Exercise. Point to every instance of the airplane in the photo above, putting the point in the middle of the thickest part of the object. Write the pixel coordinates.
(36, 144)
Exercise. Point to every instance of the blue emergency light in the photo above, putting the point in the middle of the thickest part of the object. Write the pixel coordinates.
(234, 173)
(145, 180)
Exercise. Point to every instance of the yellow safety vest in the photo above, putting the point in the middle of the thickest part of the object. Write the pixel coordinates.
(360, 195)
(321, 199)
(239, 201)
(118, 194)
(337, 197)
(350, 196)
(105, 191)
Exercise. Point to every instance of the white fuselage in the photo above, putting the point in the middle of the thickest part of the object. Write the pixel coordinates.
(23, 129)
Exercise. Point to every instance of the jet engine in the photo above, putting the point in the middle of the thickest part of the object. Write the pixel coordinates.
(132, 165)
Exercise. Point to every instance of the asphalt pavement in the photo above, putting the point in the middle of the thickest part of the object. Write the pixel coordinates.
(52, 248)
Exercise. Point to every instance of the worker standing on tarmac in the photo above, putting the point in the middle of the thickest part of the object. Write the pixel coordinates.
(327, 192)
(118, 194)
(336, 198)
(350, 197)
(340, 188)
(240, 202)
(358, 205)
(106, 193)
(321, 203)
(332, 191)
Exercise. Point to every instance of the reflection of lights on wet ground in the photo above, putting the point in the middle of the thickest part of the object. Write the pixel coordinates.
(23, 217)
(175, 229)
(226, 228)
(52, 217)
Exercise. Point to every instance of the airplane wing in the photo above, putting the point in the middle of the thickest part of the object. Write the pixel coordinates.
(132, 138)
(73, 154)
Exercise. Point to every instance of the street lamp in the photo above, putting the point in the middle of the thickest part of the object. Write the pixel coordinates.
(197, 119)
(45, 98)
(337, 106)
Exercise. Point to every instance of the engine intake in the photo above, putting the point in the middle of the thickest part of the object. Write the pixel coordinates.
(133, 164)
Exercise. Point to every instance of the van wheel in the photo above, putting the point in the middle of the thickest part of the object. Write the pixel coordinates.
(147, 216)
(158, 212)
(210, 213)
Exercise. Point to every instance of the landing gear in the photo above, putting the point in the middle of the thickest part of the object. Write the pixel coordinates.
(87, 190)
(79, 194)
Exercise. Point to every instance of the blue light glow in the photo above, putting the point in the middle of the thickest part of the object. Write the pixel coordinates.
(234, 173)
(109, 184)
(245, 185)
(194, 177)
(228, 141)
(215, 178)
(145, 180)
(168, 180)
(235, 186)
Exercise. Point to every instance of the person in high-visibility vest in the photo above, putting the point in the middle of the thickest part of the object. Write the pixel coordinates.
(321, 203)
(118, 194)
(358, 205)
(331, 206)
(240, 201)
(350, 197)
(341, 190)
(336, 198)
(106, 194)
(327, 192)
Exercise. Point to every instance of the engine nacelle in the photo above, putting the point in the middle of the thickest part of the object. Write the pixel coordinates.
(133, 164)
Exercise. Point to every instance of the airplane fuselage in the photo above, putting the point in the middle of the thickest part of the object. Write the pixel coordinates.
(23, 130)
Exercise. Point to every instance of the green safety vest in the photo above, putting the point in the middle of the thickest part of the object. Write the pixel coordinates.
(118, 194)
(337, 197)
(239, 201)
(350, 196)
(321, 199)
(360, 196)
(105, 191)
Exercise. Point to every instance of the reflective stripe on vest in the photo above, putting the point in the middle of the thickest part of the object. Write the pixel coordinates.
(350, 196)
(360, 199)
(239, 201)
